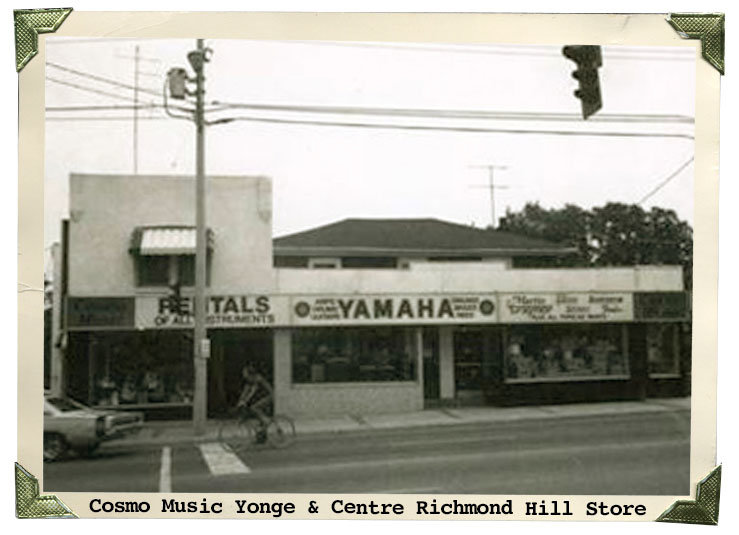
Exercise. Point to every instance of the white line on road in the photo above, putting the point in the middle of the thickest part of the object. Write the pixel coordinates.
(220, 461)
(165, 472)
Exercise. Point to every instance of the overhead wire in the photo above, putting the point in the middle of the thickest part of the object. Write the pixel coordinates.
(102, 79)
(663, 183)
(515, 50)
(89, 89)
(461, 129)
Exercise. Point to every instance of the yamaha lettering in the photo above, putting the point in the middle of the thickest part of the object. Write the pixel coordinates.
(370, 309)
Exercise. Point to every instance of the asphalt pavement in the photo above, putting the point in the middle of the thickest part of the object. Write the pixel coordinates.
(638, 448)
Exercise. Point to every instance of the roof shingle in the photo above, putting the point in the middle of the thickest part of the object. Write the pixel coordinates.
(366, 237)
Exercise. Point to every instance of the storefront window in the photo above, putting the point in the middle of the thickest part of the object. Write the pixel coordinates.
(662, 349)
(565, 352)
(140, 369)
(327, 355)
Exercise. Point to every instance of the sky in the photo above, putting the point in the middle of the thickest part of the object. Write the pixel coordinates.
(323, 174)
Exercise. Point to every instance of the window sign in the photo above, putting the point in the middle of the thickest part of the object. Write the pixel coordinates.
(565, 307)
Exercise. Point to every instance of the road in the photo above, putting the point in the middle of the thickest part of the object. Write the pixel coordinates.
(640, 454)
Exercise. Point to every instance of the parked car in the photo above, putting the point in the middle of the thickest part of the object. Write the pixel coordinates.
(69, 424)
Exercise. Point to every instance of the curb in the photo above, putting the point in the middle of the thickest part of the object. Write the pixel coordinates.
(454, 417)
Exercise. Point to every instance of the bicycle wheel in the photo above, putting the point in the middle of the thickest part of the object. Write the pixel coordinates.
(236, 435)
(280, 432)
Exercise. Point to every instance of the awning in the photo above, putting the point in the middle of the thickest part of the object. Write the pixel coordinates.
(166, 240)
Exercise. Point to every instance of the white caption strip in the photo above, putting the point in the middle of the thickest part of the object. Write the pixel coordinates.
(220, 461)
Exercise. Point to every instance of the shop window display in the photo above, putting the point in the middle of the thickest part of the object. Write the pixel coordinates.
(662, 349)
(326, 355)
(565, 352)
(141, 369)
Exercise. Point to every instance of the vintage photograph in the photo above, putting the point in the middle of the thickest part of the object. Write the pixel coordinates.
(367, 267)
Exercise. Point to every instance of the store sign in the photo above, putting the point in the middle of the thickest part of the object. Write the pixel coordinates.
(222, 311)
(661, 306)
(565, 307)
(86, 312)
(418, 309)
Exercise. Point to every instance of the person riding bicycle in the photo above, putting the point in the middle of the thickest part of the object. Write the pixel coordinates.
(256, 398)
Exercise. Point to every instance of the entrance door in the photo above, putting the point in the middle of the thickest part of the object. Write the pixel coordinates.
(469, 346)
(232, 350)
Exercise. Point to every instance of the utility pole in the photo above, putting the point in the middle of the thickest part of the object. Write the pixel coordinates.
(137, 58)
(492, 186)
(201, 341)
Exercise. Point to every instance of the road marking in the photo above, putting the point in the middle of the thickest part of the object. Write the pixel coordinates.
(165, 472)
(220, 461)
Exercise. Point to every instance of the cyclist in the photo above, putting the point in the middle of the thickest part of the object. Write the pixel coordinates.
(256, 398)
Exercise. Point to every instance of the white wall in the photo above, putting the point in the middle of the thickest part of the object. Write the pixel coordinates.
(105, 210)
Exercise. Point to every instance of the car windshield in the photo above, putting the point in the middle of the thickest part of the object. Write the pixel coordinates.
(65, 404)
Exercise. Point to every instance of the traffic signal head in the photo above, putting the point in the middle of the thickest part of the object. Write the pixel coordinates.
(588, 58)
(177, 82)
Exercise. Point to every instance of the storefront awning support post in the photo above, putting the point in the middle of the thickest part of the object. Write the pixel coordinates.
(201, 346)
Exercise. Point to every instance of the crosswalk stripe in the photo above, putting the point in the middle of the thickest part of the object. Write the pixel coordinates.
(165, 471)
(220, 461)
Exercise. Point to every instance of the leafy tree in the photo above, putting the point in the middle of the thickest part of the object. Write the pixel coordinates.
(612, 235)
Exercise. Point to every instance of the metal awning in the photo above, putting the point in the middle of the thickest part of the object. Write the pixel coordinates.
(166, 240)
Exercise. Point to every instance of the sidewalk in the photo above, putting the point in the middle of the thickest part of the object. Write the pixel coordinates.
(181, 431)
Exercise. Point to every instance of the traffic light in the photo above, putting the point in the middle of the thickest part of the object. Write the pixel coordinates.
(588, 58)
(177, 81)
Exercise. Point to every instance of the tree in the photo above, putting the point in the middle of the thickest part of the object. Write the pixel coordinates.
(612, 235)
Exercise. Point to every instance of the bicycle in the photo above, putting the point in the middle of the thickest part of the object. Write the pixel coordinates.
(243, 433)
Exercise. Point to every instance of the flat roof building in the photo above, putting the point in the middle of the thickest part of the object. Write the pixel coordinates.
(357, 316)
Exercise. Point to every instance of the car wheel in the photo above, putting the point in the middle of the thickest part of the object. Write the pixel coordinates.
(54, 446)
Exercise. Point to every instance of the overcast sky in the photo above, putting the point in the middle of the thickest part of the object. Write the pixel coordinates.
(322, 174)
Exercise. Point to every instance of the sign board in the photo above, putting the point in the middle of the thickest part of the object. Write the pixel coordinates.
(266, 311)
(222, 311)
(661, 306)
(594, 307)
(92, 312)
(393, 309)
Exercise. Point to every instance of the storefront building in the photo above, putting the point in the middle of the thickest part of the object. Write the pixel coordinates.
(360, 316)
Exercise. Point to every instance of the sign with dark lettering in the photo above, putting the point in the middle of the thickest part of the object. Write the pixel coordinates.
(661, 306)
(85, 312)
(221, 311)
(408, 309)
(566, 307)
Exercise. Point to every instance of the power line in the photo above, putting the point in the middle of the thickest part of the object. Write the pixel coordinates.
(102, 108)
(463, 129)
(666, 180)
(89, 89)
(456, 114)
(431, 113)
(381, 126)
(102, 118)
(102, 79)
(515, 50)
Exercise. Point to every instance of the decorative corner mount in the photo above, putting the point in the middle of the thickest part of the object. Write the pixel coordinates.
(28, 502)
(704, 510)
(28, 24)
(709, 28)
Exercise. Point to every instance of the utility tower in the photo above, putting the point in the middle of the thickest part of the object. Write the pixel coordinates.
(492, 186)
